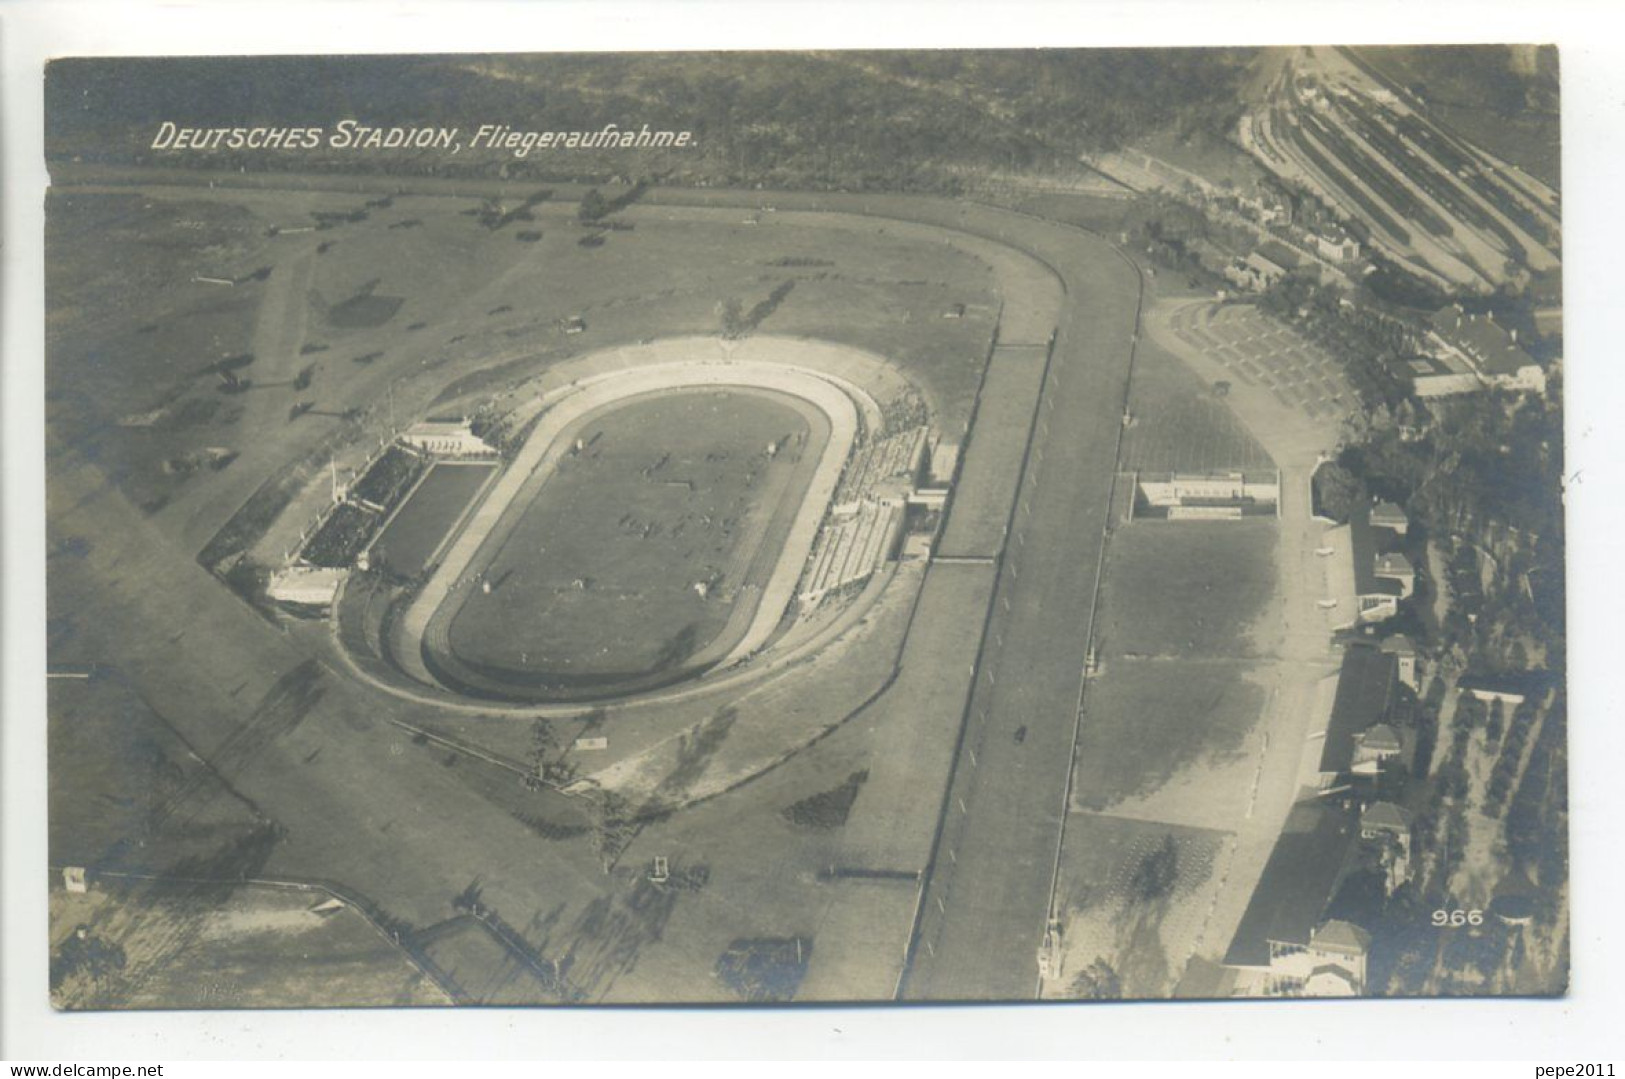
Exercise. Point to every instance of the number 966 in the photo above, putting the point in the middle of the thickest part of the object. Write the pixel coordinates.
(1458, 917)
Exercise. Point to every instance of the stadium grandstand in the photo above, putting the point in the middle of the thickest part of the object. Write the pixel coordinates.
(867, 513)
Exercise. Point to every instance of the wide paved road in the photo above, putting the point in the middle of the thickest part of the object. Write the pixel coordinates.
(986, 900)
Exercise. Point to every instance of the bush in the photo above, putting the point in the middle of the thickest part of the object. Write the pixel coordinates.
(764, 969)
(827, 809)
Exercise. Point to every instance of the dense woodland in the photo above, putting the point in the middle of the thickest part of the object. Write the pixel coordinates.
(852, 120)
(1481, 477)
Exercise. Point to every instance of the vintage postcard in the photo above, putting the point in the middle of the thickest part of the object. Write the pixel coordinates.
(855, 526)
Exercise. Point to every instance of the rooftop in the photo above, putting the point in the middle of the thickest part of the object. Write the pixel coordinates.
(1384, 815)
(1399, 645)
(1382, 738)
(1338, 936)
(1394, 562)
(1365, 688)
(1383, 512)
(1482, 337)
(1299, 879)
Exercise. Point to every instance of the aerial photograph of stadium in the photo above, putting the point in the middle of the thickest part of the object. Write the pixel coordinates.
(853, 526)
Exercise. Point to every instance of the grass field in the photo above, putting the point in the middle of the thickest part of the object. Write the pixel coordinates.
(420, 527)
(1145, 720)
(597, 581)
(1186, 588)
(1189, 591)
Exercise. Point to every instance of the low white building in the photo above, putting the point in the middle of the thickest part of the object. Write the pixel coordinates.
(308, 586)
(1209, 495)
(1336, 247)
(446, 438)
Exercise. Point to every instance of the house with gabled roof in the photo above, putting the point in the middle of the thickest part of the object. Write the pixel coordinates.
(1373, 748)
(1332, 964)
(1384, 818)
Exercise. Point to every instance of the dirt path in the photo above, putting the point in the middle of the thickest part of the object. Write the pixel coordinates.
(263, 432)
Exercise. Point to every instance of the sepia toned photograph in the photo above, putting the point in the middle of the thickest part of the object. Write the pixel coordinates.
(740, 528)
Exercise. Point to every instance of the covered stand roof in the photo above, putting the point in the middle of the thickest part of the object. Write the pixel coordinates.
(1300, 878)
(1365, 689)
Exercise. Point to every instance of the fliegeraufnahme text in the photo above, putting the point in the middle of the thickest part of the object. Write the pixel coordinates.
(354, 135)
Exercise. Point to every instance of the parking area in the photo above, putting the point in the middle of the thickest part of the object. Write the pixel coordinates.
(1258, 350)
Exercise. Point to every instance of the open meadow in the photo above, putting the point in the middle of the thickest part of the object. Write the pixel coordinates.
(1186, 589)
